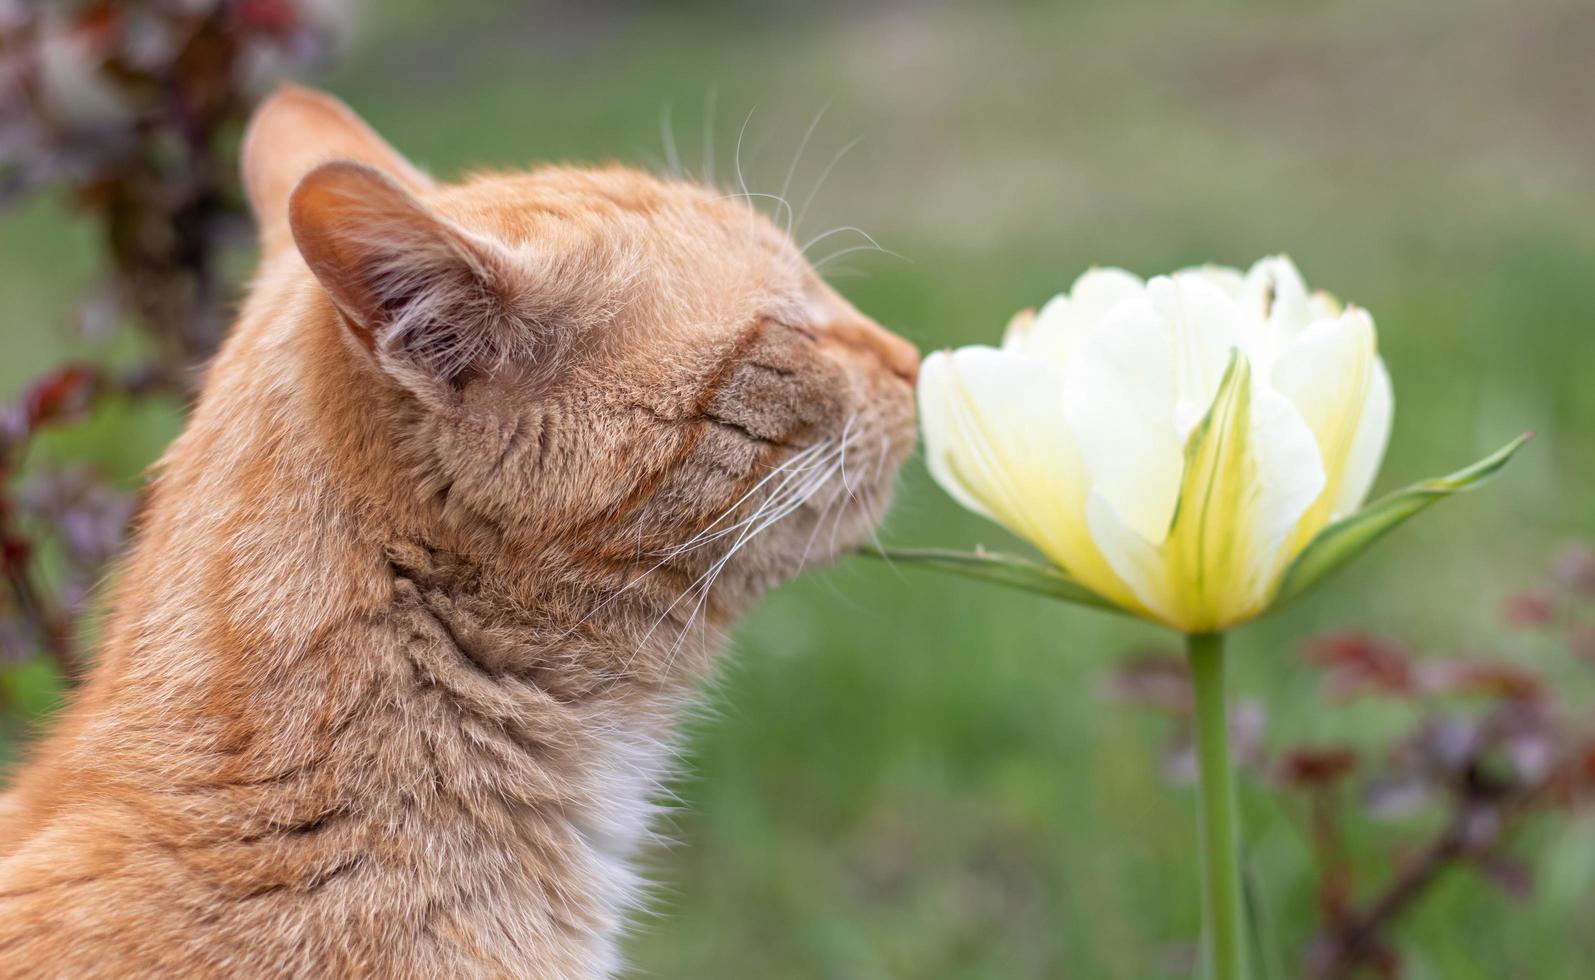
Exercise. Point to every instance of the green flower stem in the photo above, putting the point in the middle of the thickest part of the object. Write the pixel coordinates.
(1225, 945)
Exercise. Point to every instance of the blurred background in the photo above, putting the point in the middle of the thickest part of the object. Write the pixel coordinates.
(902, 775)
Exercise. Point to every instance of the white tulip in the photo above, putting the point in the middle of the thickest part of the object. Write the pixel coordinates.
(1171, 444)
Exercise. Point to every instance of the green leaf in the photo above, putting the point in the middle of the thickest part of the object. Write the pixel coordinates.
(1348, 537)
(1009, 570)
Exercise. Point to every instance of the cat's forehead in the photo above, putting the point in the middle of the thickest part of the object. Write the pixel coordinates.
(700, 254)
(518, 206)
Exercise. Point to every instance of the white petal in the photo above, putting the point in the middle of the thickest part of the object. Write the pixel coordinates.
(1016, 336)
(1055, 331)
(1099, 290)
(941, 419)
(995, 439)
(994, 435)
(1290, 476)
(1118, 398)
(1327, 373)
(1322, 304)
(1275, 289)
(1204, 323)
(1231, 280)
(1368, 447)
(1052, 333)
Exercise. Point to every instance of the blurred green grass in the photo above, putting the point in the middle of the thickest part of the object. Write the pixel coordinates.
(904, 776)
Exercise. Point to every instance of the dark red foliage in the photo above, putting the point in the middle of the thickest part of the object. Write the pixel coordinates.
(1494, 744)
(133, 107)
(1529, 608)
(1483, 678)
(1316, 766)
(277, 18)
(1575, 569)
(60, 396)
(1356, 664)
(1153, 679)
(1581, 640)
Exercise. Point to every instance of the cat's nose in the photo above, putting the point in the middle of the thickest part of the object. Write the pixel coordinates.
(893, 352)
(840, 324)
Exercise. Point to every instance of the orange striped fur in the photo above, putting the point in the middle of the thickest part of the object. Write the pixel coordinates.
(471, 494)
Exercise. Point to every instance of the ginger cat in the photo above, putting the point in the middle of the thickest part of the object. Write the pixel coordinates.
(469, 498)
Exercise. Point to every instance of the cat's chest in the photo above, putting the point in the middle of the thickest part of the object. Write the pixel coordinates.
(580, 886)
(623, 782)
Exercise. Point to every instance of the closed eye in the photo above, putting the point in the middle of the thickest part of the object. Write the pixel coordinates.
(802, 331)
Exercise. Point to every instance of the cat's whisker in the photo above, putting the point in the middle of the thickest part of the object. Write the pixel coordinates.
(839, 507)
(725, 532)
(791, 170)
(787, 466)
(819, 524)
(781, 502)
(856, 248)
(710, 99)
(808, 545)
(838, 230)
(820, 182)
(880, 460)
(710, 577)
(667, 135)
(815, 449)
(771, 510)
(846, 432)
(736, 156)
(780, 510)
(797, 462)
(750, 195)
(845, 272)
(787, 469)
(875, 478)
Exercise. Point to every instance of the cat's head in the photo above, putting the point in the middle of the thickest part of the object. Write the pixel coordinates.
(621, 370)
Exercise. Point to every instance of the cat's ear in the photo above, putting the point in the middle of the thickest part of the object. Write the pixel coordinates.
(433, 301)
(292, 133)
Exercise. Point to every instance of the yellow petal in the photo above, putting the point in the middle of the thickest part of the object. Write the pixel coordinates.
(1134, 559)
(1367, 446)
(1250, 470)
